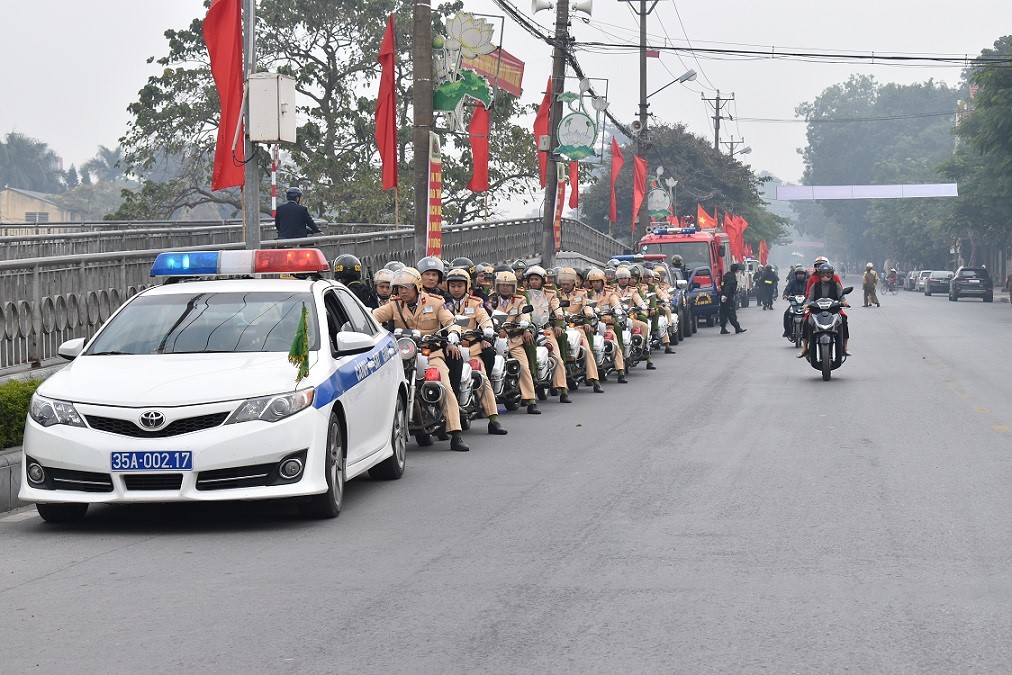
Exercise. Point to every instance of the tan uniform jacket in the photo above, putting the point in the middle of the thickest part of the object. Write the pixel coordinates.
(429, 316)
(511, 306)
(577, 302)
(474, 309)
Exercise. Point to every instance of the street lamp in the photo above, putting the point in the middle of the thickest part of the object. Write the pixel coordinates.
(687, 76)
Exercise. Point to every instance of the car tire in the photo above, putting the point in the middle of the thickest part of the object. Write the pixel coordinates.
(392, 467)
(328, 504)
(62, 513)
(710, 322)
(692, 325)
(989, 297)
(927, 292)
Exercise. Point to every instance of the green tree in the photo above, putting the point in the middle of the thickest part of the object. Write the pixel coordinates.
(330, 47)
(107, 165)
(705, 177)
(29, 164)
(71, 178)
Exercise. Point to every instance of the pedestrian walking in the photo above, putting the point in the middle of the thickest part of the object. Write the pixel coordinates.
(728, 306)
(870, 282)
(292, 220)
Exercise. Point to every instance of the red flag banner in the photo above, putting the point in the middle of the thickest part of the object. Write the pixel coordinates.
(386, 108)
(434, 238)
(223, 37)
(574, 184)
(704, 220)
(541, 122)
(639, 188)
(764, 252)
(617, 160)
(478, 131)
(733, 237)
(560, 199)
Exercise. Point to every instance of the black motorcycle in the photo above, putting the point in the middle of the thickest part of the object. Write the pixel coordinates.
(825, 346)
(797, 318)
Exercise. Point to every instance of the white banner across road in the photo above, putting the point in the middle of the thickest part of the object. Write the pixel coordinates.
(813, 192)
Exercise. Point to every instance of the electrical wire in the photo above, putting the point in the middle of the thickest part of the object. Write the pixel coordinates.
(691, 51)
(827, 120)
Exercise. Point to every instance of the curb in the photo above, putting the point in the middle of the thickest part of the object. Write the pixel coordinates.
(10, 479)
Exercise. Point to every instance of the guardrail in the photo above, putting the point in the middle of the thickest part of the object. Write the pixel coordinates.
(45, 301)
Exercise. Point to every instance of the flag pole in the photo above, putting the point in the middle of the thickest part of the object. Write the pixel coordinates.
(251, 170)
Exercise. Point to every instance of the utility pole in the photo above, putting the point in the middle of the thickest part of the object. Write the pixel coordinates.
(555, 116)
(718, 104)
(732, 144)
(643, 223)
(421, 63)
(251, 170)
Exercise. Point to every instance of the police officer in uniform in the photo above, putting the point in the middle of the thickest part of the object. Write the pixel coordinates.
(578, 305)
(348, 270)
(432, 270)
(506, 299)
(415, 310)
(381, 286)
(547, 313)
(606, 301)
(458, 283)
(292, 219)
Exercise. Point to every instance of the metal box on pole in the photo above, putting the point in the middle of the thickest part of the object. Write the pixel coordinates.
(271, 108)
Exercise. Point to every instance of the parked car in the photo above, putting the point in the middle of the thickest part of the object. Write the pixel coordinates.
(910, 281)
(971, 281)
(922, 276)
(937, 282)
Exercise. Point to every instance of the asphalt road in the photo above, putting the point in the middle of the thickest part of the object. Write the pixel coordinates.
(727, 512)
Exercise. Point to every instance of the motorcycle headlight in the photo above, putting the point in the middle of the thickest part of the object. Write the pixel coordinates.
(407, 348)
(272, 408)
(48, 412)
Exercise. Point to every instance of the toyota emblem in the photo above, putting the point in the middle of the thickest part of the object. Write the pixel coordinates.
(152, 419)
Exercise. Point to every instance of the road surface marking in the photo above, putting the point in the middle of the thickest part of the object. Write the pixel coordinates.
(981, 409)
(1002, 428)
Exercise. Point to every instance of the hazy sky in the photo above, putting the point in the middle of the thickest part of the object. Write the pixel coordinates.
(70, 68)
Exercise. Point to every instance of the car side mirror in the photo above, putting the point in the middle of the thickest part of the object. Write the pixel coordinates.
(350, 342)
(722, 250)
(71, 349)
(696, 284)
(681, 283)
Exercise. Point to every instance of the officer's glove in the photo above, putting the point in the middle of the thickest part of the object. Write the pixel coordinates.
(489, 334)
(723, 298)
(453, 338)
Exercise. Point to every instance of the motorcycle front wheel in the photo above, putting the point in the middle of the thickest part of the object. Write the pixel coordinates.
(827, 362)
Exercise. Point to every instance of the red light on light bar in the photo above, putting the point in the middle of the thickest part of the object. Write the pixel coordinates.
(289, 260)
(654, 256)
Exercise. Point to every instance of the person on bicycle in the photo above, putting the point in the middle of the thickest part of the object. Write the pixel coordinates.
(891, 279)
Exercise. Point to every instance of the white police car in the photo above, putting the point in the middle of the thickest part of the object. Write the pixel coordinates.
(189, 392)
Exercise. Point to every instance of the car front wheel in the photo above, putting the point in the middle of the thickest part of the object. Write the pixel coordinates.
(328, 504)
(392, 467)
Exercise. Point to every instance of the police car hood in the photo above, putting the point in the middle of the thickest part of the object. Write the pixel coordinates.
(173, 379)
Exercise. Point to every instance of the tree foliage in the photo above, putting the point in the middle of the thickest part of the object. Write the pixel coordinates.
(106, 166)
(29, 164)
(330, 47)
(705, 177)
(861, 132)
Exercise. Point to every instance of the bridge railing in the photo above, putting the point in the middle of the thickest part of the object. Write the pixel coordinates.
(47, 300)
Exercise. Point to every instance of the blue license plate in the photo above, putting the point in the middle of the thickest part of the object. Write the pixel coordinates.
(172, 460)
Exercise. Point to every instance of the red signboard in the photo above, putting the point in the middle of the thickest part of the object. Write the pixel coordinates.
(503, 70)
(434, 237)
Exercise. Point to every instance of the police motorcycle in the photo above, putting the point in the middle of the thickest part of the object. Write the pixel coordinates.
(426, 389)
(543, 359)
(663, 327)
(635, 342)
(797, 316)
(505, 375)
(471, 377)
(576, 364)
(606, 364)
(825, 346)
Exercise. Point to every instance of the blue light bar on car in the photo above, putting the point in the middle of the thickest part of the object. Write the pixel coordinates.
(193, 263)
(676, 230)
(627, 258)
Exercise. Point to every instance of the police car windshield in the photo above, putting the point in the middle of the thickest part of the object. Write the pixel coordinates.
(208, 323)
(694, 253)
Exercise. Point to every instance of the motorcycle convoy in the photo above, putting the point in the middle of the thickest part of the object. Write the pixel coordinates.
(474, 337)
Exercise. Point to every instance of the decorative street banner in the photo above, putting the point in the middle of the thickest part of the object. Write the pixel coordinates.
(467, 37)
(503, 70)
(434, 237)
(658, 200)
(577, 130)
(560, 200)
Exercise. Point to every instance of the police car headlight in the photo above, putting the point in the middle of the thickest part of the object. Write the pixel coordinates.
(48, 412)
(272, 408)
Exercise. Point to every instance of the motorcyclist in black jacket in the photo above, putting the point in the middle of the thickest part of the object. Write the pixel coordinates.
(795, 286)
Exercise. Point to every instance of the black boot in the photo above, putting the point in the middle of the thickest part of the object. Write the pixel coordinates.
(740, 330)
(621, 379)
(651, 366)
(457, 443)
(564, 397)
(724, 331)
(496, 429)
(597, 388)
(668, 349)
(532, 409)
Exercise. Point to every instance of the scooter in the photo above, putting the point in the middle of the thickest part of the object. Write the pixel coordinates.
(544, 361)
(825, 347)
(637, 342)
(797, 314)
(426, 389)
(471, 379)
(505, 375)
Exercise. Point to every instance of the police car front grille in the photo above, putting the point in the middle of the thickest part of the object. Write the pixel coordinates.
(153, 481)
(254, 475)
(80, 481)
(187, 425)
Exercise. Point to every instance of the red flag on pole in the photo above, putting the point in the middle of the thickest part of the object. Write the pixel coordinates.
(764, 252)
(478, 131)
(386, 108)
(574, 184)
(541, 122)
(617, 160)
(223, 37)
(733, 235)
(704, 220)
(639, 187)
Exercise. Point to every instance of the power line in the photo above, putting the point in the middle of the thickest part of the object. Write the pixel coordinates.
(827, 120)
(690, 50)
